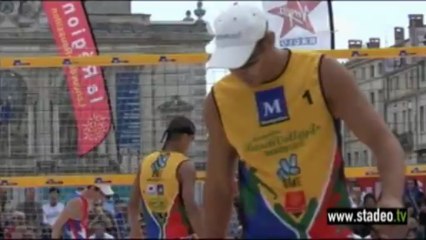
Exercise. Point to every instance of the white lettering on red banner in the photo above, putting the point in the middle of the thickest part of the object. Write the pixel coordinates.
(71, 31)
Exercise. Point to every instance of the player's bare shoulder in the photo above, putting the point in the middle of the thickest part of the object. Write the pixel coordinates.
(330, 66)
(339, 86)
(211, 112)
(74, 204)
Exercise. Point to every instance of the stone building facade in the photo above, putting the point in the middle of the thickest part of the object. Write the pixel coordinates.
(397, 89)
(38, 131)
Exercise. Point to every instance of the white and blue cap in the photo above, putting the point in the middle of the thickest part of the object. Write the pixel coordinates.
(106, 189)
(236, 33)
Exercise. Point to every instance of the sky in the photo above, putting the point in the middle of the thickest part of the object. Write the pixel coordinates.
(352, 19)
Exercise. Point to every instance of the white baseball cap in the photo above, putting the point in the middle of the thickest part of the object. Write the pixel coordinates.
(236, 33)
(106, 189)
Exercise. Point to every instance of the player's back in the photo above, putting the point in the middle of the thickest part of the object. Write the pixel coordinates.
(78, 228)
(163, 209)
(290, 145)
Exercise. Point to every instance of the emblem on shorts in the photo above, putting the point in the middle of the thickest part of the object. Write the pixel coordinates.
(271, 106)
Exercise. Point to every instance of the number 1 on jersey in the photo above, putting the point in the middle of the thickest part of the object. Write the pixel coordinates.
(308, 97)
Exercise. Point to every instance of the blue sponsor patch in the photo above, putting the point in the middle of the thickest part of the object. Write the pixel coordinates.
(271, 106)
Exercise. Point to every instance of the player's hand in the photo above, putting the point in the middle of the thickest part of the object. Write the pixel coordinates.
(390, 231)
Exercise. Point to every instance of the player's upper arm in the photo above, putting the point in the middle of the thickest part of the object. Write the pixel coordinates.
(187, 177)
(70, 212)
(221, 154)
(348, 103)
(136, 191)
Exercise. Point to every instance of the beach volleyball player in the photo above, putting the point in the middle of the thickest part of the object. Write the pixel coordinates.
(278, 111)
(166, 182)
(73, 221)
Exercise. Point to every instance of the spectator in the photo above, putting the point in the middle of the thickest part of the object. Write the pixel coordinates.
(422, 218)
(413, 230)
(3, 202)
(410, 210)
(99, 214)
(412, 223)
(14, 229)
(108, 205)
(53, 208)
(356, 196)
(32, 209)
(369, 201)
(30, 232)
(121, 219)
(2, 225)
(413, 195)
(100, 231)
(365, 230)
(412, 234)
(18, 232)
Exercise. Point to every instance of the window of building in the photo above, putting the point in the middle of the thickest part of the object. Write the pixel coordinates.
(413, 77)
(380, 68)
(404, 120)
(394, 83)
(365, 157)
(373, 98)
(363, 75)
(422, 118)
(356, 160)
(397, 83)
(421, 157)
(372, 73)
(395, 122)
(380, 95)
(347, 132)
(409, 123)
(415, 74)
(407, 81)
(349, 159)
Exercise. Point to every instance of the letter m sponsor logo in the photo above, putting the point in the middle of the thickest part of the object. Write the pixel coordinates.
(271, 106)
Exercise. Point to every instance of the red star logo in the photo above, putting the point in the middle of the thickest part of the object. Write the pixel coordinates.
(295, 13)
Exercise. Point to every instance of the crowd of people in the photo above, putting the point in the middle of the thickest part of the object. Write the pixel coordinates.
(414, 201)
(31, 219)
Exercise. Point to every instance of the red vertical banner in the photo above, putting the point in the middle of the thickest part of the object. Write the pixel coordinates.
(73, 37)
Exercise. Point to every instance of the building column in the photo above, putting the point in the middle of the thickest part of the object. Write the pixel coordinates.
(30, 125)
(39, 137)
(56, 129)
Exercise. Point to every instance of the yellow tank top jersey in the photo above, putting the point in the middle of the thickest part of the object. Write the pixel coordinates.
(291, 168)
(163, 212)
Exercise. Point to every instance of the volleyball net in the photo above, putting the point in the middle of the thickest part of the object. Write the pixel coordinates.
(76, 121)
